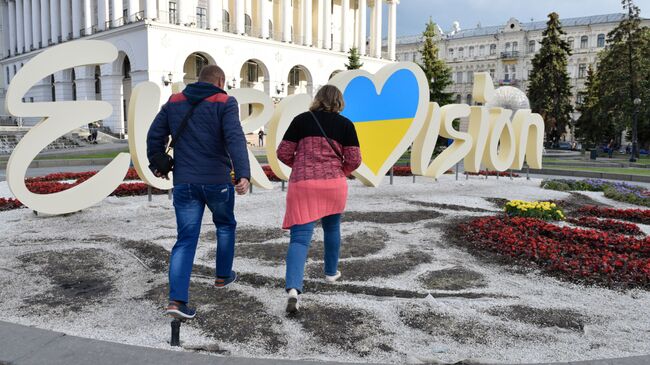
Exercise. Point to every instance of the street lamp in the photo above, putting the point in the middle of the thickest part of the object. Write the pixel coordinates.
(635, 121)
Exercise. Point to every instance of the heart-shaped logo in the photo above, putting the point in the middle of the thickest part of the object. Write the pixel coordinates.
(388, 110)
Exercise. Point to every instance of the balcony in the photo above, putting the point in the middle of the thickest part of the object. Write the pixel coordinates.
(510, 55)
(508, 82)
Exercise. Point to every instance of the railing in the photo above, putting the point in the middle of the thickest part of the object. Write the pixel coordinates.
(510, 54)
(508, 82)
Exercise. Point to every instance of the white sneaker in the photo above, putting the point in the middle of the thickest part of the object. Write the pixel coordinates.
(333, 278)
(292, 302)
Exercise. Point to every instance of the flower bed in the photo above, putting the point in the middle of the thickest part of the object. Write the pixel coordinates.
(618, 191)
(587, 256)
(607, 225)
(541, 210)
(631, 215)
(9, 204)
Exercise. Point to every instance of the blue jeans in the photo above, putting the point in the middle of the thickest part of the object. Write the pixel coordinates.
(299, 246)
(189, 203)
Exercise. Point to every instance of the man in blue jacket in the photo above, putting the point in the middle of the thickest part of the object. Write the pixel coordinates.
(211, 146)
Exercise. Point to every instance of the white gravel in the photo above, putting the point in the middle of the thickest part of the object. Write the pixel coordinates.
(616, 322)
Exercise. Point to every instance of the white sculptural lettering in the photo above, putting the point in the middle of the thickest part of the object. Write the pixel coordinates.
(492, 140)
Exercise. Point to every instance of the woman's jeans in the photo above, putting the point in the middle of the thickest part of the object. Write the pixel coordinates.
(189, 203)
(299, 246)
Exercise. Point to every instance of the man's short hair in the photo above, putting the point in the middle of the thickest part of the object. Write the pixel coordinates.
(212, 74)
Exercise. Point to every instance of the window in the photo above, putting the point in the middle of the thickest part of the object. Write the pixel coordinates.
(469, 99)
(461, 52)
(601, 40)
(493, 49)
(173, 17)
(451, 52)
(252, 71)
(506, 73)
(582, 70)
(294, 77)
(492, 71)
(201, 18)
(200, 62)
(481, 51)
(98, 80)
(515, 46)
(584, 42)
(508, 45)
(414, 56)
(226, 21)
(470, 77)
(7, 69)
(459, 99)
(571, 42)
(459, 77)
(471, 51)
(53, 90)
(513, 72)
(580, 99)
(248, 23)
(531, 47)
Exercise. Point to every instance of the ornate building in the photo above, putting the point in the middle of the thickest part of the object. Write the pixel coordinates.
(506, 51)
(278, 46)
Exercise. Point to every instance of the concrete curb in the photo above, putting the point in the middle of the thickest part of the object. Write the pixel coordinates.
(22, 345)
(589, 174)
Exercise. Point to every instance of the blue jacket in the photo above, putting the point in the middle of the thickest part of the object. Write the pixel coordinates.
(213, 142)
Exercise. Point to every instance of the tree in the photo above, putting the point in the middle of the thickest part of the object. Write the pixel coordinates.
(436, 70)
(549, 90)
(624, 72)
(593, 126)
(353, 60)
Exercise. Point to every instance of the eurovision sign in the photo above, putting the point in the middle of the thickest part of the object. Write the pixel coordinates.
(390, 110)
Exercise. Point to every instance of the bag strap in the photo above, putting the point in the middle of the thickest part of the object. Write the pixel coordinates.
(183, 125)
(329, 140)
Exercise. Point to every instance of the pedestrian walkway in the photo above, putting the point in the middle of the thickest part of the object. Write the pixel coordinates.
(22, 345)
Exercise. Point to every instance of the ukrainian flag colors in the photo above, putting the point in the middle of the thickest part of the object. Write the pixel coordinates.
(381, 120)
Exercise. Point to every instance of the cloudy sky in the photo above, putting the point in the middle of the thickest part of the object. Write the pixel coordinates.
(412, 14)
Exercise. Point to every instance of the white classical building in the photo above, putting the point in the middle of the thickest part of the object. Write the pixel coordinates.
(278, 46)
(506, 51)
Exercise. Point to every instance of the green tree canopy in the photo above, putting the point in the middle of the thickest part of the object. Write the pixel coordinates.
(593, 126)
(354, 62)
(437, 72)
(549, 89)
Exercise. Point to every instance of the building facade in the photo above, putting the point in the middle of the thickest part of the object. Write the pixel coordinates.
(280, 47)
(507, 51)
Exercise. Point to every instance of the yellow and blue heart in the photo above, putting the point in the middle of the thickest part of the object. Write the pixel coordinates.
(381, 120)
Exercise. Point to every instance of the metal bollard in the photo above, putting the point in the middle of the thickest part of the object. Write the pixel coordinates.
(171, 193)
(527, 172)
(511, 177)
(392, 172)
(457, 171)
(282, 185)
(413, 179)
(250, 188)
(149, 193)
(176, 333)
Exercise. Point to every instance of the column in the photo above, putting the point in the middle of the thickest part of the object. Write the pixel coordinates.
(345, 25)
(134, 8)
(27, 24)
(371, 44)
(20, 28)
(66, 21)
(215, 14)
(377, 40)
(392, 28)
(55, 20)
(362, 27)
(36, 24)
(240, 17)
(102, 14)
(287, 20)
(319, 25)
(12, 29)
(264, 18)
(45, 22)
(88, 17)
(76, 18)
(63, 85)
(118, 13)
(180, 10)
(327, 24)
(85, 82)
(151, 11)
(306, 22)
(112, 94)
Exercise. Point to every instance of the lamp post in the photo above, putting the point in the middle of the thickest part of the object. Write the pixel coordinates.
(635, 122)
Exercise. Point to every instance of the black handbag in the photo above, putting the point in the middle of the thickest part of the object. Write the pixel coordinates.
(329, 140)
(163, 162)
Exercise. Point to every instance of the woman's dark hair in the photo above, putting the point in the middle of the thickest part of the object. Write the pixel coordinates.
(328, 99)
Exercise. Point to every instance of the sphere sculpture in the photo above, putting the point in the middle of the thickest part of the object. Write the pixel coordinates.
(509, 97)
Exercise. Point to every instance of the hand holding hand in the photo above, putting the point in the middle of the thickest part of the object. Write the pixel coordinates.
(160, 175)
(242, 186)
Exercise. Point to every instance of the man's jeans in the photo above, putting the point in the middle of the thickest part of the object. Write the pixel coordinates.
(299, 246)
(189, 202)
